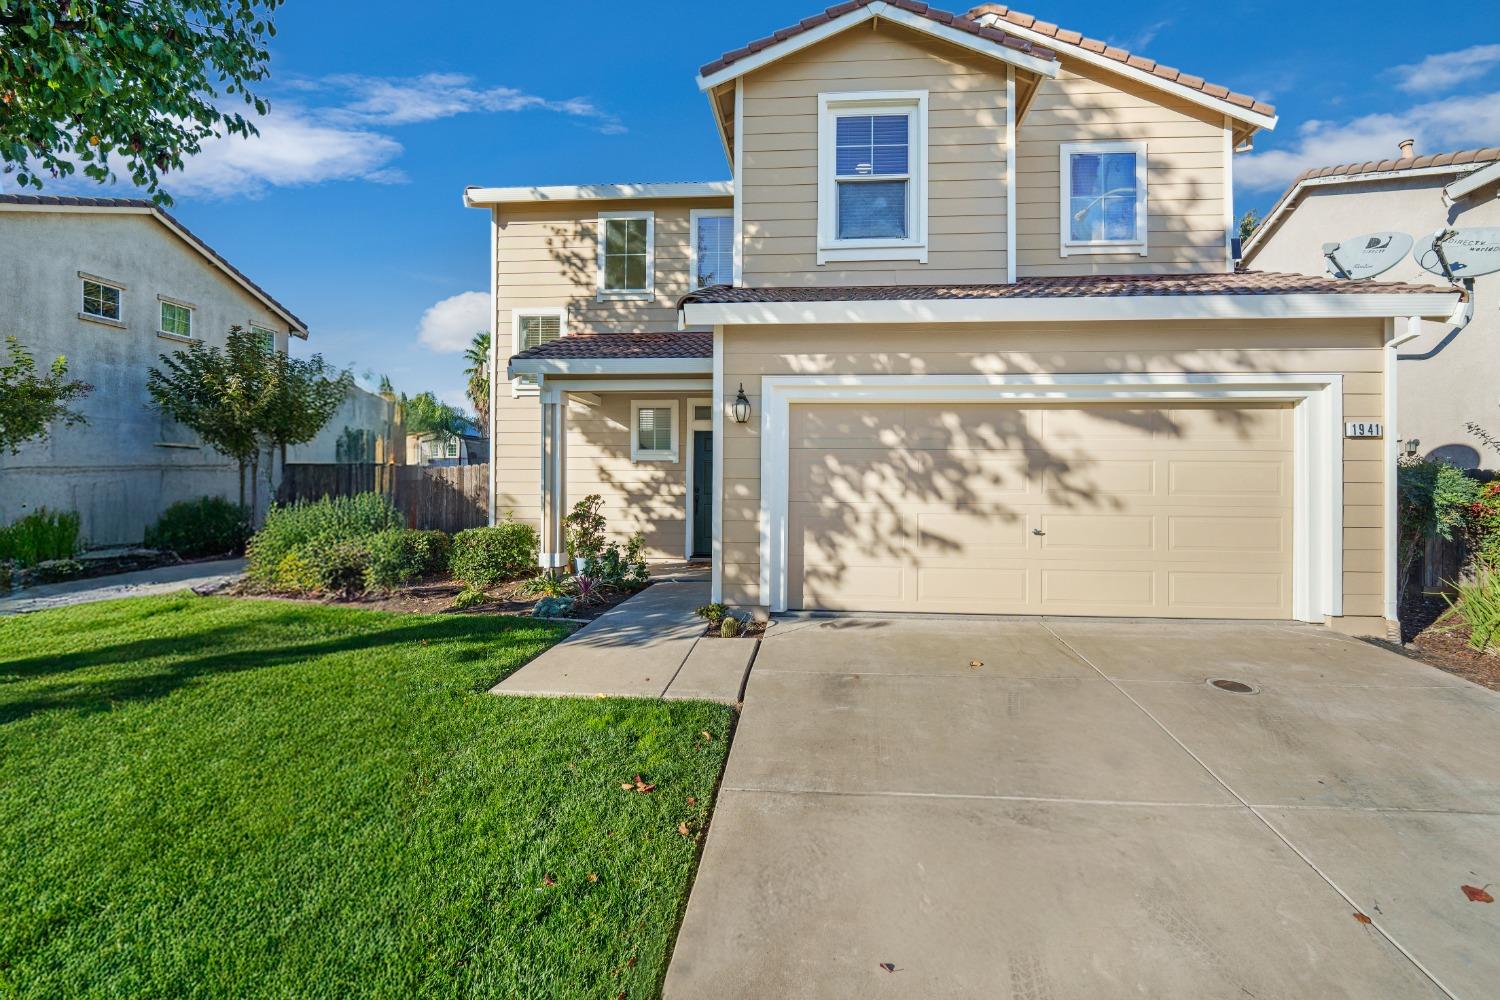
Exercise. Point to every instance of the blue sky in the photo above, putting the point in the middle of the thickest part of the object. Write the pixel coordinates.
(348, 207)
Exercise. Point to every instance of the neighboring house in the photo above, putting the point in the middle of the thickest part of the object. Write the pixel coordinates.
(1449, 377)
(962, 333)
(464, 449)
(365, 430)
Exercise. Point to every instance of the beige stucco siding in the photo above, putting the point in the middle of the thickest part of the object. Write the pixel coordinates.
(966, 156)
(1185, 174)
(1350, 347)
(647, 496)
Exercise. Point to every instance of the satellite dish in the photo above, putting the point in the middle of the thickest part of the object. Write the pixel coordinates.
(1468, 252)
(1366, 256)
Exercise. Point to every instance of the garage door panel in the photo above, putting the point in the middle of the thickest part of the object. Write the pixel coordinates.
(1181, 512)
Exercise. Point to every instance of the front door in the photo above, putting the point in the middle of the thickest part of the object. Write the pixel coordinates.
(703, 493)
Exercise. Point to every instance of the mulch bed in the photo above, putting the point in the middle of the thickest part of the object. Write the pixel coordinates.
(1444, 643)
(436, 596)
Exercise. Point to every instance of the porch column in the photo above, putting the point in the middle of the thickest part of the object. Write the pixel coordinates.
(554, 478)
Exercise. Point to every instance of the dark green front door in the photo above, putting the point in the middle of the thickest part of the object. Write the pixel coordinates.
(703, 493)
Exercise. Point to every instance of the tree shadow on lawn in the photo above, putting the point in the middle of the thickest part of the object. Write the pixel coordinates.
(470, 639)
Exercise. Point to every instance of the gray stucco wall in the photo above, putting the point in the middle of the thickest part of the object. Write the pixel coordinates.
(1445, 379)
(127, 465)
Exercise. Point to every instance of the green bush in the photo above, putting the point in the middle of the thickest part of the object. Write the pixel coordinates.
(1434, 500)
(310, 530)
(620, 568)
(1479, 603)
(40, 536)
(208, 526)
(483, 557)
(400, 556)
(712, 613)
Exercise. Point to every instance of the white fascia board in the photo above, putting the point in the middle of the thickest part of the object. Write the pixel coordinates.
(1051, 310)
(1465, 186)
(476, 197)
(611, 366)
(1267, 122)
(1288, 201)
(797, 42)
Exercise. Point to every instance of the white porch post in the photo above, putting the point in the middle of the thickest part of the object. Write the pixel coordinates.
(554, 480)
(544, 559)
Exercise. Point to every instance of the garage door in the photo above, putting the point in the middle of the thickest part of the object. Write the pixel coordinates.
(1159, 511)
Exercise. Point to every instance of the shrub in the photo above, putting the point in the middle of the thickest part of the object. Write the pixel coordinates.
(1481, 532)
(483, 557)
(547, 585)
(342, 566)
(208, 526)
(400, 556)
(585, 528)
(1434, 500)
(712, 613)
(54, 570)
(311, 529)
(1479, 603)
(468, 598)
(729, 628)
(625, 569)
(40, 536)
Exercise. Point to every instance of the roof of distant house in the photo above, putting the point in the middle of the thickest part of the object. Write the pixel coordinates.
(140, 206)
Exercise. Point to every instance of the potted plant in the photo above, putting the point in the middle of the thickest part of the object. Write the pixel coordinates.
(585, 531)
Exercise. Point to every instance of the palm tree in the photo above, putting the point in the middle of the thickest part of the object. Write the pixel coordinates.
(477, 354)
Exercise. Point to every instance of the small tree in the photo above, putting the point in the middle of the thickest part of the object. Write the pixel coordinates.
(1249, 223)
(477, 354)
(145, 81)
(305, 394)
(1433, 499)
(30, 402)
(425, 416)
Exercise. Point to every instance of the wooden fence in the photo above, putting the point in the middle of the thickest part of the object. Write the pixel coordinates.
(445, 498)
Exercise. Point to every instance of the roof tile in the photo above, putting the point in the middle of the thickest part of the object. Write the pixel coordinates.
(624, 345)
(1005, 14)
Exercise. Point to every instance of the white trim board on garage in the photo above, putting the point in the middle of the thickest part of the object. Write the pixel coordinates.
(1318, 512)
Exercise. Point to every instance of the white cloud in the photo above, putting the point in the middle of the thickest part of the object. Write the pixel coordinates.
(1439, 126)
(1138, 41)
(1447, 69)
(409, 100)
(293, 149)
(450, 325)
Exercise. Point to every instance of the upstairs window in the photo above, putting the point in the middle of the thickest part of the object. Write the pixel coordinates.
(1103, 197)
(265, 339)
(872, 164)
(176, 319)
(712, 247)
(626, 254)
(101, 300)
(533, 328)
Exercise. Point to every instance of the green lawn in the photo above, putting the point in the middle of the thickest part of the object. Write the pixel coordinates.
(218, 797)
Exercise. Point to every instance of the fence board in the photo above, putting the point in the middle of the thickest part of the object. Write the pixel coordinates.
(443, 498)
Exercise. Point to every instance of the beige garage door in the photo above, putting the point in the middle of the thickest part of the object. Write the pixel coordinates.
(1160, 511)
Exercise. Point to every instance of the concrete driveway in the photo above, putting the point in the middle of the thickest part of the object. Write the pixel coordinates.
(1083, 816)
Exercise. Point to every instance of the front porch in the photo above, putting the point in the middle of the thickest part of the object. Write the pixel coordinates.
(640, 431)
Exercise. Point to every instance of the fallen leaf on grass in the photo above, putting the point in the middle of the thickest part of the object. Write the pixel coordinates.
(1362, 918)
(1477, 895)
(548, 880)
(708, 736)
(630, 962)
(692, 801)
(593, 877)
(683, 829)
(640, 786)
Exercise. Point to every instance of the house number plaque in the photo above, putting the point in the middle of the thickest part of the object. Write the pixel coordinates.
(1362, 429)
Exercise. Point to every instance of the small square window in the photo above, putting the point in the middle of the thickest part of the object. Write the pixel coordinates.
(653, 431)
(101, 300)
(265, 339)
(626, 254)
(1103, 197)
(176, 319)
(533, 328)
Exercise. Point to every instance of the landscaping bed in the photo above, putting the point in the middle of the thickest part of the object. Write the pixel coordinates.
(1444, 642)
(223, 797)
(438, 596)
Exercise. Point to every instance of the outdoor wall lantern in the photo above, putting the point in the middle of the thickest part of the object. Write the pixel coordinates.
(1410, 447)
(741, 406)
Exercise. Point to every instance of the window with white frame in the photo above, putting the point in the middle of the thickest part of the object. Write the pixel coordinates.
(1103, 202)
(533, 328)
(265, 338)
(712, 247)
(653, 430)
(101, 299)
(872, 176)
(176, 318)
(627, 254)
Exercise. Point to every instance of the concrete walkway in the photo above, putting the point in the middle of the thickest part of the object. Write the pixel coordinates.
(651, 646)
(1067, 809)
(201, 576)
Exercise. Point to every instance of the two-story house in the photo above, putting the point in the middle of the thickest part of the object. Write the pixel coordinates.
(962, 333)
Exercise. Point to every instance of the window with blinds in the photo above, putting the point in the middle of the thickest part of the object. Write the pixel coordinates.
(653, 431)
(713, 249)
(871, 169)
(533, 329)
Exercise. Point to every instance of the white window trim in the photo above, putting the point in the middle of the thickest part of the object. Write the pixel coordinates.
(1065, 153)
(84, 314)
(255, 327)
(520, 387)
(704, 213)
(192, 311)
(637, 454)
(914, 247)
(634, 294)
